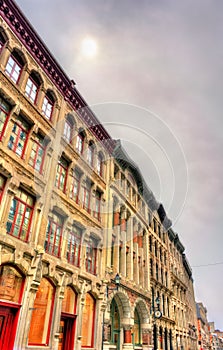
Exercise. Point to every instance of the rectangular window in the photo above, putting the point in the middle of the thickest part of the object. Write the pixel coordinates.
(2, 185)
(86, 196)
(97, 210)
(47, 107)
(31, 89)
(61, 175)
(91, 255)
(75, 186)
(4, 116)
(13, 69)
(19, 136)
(37, 153)
(20, 215)
(54, 235)
(74, 246)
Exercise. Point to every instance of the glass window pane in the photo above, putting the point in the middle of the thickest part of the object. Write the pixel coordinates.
(42, 308)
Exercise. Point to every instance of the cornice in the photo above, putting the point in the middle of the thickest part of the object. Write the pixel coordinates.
(22, 28)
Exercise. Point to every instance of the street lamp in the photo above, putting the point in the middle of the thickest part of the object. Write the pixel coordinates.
(117, 280)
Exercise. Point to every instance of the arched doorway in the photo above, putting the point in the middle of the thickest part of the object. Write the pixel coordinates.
(11, 288)
(67, 321)
(115, 324)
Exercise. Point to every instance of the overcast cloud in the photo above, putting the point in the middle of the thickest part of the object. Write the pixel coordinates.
(165, 57)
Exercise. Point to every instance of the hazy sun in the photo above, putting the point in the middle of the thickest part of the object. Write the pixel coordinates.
(89, 47)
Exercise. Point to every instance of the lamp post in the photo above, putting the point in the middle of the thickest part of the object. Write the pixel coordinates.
(117, 281)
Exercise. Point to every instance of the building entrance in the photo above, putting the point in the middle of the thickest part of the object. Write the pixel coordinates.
(66, 333)
(7, 323)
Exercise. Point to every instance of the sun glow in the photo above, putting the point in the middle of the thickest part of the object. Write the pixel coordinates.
(89, 47)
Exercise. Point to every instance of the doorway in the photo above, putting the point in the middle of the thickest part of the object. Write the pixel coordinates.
(7, 327)
(66, 333)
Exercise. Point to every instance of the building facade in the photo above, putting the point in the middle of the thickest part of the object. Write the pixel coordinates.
(75, 215)
(204, 334)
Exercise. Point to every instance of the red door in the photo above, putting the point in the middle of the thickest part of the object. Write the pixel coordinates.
(7, 334)
(66, 333)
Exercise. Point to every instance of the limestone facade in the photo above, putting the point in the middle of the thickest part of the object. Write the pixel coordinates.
(75, 213)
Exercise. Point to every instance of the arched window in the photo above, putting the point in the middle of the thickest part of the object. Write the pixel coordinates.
(150, 244)
(80, 142)
(69, 301)
(39, 331)
(2, 185)
(67, 321)
(48, 103)
(11, 284)
(14, 66)
(90, 153)
(115, 324)
(88, 315)
(157, 272)
(100, 160)
(2, 39)
(136, 329)
(151, 267)
(68, 129)
(32, 86)
(4, 116)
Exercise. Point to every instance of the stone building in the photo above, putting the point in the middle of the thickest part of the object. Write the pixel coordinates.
(85, 248)
(204, 334)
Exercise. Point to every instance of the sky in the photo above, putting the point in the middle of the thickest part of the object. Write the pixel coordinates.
(156, 83)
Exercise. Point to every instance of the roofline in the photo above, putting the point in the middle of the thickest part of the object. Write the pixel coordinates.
(22, 28)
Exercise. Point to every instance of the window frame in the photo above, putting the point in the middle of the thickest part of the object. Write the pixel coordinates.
(16, 64)
(48, 101)
(35, 85)
(3, 181)
(90, 154)
(100, 160)
(2, 42)
(17, 212)
(47, 244)
(18, 129)
(86, 196)
(92, 325)
(49, 322)
(97, 209)
(62, 174)
(77, 243)
(36, 152)
(7, 115)
(76, 183)
(80, 143)
(91, 256)
(68, 125)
